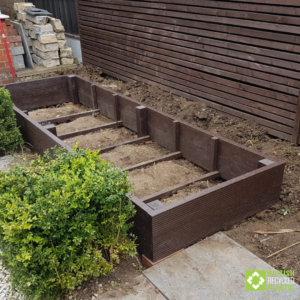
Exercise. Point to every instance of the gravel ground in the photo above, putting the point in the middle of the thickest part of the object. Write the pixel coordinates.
(5, 291)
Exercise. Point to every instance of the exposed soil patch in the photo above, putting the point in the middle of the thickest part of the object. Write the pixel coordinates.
(82, 123)
(122, 280)
(129, 155)
(102, 138)
(57, 111)
(162, 175)
(190, 190)
(266, 244)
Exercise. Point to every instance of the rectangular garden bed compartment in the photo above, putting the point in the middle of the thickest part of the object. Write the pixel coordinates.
(251, 181)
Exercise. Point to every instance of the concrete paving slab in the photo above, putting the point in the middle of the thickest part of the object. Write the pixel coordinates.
(212, 269)
(144, 290)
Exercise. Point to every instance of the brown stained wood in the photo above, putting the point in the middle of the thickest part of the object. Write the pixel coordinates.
(213, 94)
(94, 96)
(238, 87)
(167, 157)
(136, 141)
(71, 117)
(169, 192)
(296, 128)
(253, 180)
(251, 33)
(51, 128)
(222, 109)
(176, 135)
(73, 88)
(214, 153)
(116, 107)
(177, 89)
(187, 33)
(89, 130)
(239, 58)
(36, 135)
(142, 120)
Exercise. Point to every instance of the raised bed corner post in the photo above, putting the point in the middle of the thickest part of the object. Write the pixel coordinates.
(117, 116)
(73, 89)
(142, 120)
(94, 96)
(176, 135)
(214, 153)
(295, 132)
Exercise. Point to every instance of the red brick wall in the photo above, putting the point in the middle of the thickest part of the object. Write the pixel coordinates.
(5, 73)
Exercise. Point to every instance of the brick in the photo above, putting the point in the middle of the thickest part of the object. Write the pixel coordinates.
(14, 39)
(12, 31)
(45, 47)
(48, 63)
(17, 44)
(57, 25)
(7, 80)
(45, 55)
(3, 57)
(5, 69)
(67, 61)
(43, 29)
(5, 75)
(39, 20)
(67, 52)
(47, 38)
(17, 50)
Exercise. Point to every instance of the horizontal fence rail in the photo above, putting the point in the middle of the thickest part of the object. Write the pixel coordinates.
(239, 57)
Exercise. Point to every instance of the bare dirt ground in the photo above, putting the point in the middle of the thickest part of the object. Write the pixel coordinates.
(129, 155)
(102, 138)
(57, 111)
(283, 215)
(190, 190)
(120, 282)
(163, 175)
(82, 123)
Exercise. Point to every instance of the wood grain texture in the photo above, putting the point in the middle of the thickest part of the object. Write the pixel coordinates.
(239, 57)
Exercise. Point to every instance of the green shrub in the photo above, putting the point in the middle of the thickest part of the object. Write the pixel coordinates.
(63, 221)
(10, 136)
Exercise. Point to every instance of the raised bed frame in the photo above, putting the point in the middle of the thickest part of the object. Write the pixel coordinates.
(252, 181)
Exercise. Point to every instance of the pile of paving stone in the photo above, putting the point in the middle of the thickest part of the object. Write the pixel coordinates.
(45, 37)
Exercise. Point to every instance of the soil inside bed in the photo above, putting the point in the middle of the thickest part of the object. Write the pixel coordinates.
(163, 175)
(57, 111)
(129, 155)
(190, 190)
(82, 123)
(102, 138)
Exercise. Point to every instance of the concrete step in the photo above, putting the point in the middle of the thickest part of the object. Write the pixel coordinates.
(213, 269)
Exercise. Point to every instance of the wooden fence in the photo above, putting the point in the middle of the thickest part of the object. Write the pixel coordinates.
(239, 57)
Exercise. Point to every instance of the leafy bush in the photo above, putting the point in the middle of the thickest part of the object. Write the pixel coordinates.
(63, 221)
(10, 136)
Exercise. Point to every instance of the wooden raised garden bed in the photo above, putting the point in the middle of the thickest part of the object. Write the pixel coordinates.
(247, 181)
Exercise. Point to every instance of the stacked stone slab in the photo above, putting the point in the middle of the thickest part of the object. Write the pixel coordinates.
(45, 37)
